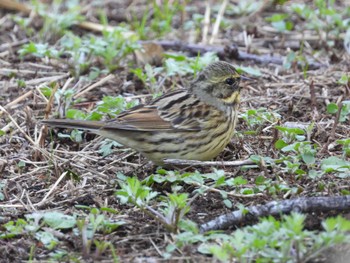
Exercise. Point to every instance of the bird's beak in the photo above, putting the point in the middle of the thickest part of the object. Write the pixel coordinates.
(245, 78)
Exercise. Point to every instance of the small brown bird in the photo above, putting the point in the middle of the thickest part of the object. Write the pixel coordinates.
(188, 124)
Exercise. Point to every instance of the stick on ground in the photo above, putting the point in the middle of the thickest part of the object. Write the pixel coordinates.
(275, 208)
(208, 163)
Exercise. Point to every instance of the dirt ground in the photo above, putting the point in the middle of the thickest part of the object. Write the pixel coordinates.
(31, 166)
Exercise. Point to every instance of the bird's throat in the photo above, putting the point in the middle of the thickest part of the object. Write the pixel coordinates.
(234, 98)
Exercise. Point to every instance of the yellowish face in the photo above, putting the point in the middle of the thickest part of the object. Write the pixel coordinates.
(234, 98)
(219, 84)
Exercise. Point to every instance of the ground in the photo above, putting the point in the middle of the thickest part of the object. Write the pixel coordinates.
(294, 118)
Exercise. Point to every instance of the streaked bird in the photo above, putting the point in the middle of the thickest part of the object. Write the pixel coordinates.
(189, 124)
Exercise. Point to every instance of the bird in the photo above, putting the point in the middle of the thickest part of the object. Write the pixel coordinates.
(186, 124)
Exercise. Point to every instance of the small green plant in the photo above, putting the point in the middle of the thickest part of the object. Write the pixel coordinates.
(148, 77)
(58, 17)
(38, 50)
(174, 206)
(242, 8)
(215, 181)
(346, 147)
(111, 106)
(182, 65)
(114, 46)
(162, 18)
(344, 80)
(13, 228)
(296, 58)
(258, 118)
(290, 135)
(24, 24)
(324, 18)
(110, 48)
(301, 153)
(88, 227)
(107, 145)
(336, 165)
(281, 22)
(333, 108)
(272, 240)
(31, 226)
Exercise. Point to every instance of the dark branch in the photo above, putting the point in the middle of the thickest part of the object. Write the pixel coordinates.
(274, 208)
(227, 52)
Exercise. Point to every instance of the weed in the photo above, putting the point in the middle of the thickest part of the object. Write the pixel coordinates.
(272, 240)
(281, 22)
(162, 18)
(55, 21)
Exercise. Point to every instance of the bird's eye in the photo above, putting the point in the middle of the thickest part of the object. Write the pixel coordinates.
(230, 81)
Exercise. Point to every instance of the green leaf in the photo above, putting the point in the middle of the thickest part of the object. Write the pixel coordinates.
(47, 91)
(296, 131)
(277, 17)
(332, 108)
(280, 25)
(279, 144)
(344, 78)
(255, 158)
(345, 111)
(75, 114)
(288, 148)
(334, 163)
(313, 174)
(250, 71)
(59, 220)
(260, 180)
(228, 203)
(176, 57)
(47, 238)
(247, 191)
(107, 146)
(308, 158)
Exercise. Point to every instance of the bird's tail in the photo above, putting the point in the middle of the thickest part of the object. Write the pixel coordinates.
(74, 124)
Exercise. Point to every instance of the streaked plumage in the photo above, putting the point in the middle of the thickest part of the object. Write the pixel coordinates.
(192, 124)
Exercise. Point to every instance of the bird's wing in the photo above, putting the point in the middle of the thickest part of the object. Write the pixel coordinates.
(140, 118)
(172, 111)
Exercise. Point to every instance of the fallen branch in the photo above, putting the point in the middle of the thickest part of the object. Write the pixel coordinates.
(230, 52)
(209, 163)
(275, 208)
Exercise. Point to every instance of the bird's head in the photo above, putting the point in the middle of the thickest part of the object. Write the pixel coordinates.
(218, 84)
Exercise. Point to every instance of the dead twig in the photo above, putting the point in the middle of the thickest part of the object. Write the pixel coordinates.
(228, 52)
(275, 208)
(209, 163)
(43, 201)
(215, 32)
(95, 85)
(206, 22)
(17, 126)
(231, 193)
(315, 113)
(19, 99)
